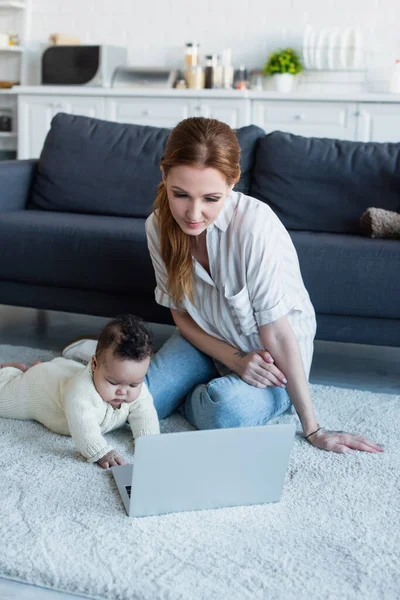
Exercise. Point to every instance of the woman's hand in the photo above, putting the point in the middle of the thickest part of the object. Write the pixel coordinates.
(111, 459)
(256, 368)
(342, 442)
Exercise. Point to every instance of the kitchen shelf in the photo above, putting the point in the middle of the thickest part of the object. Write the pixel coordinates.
(12, 49)
(12, 4)
(8, 134)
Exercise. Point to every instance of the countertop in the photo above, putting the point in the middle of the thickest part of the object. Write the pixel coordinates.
(84, 90)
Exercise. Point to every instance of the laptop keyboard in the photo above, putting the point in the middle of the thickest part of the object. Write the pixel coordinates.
(128, 490)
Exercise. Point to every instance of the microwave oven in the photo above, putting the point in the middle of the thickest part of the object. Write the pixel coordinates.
(81, 65)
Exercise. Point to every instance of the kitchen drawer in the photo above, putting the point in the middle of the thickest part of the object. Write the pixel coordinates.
(159, 112)
(320, 119)
(236, 113)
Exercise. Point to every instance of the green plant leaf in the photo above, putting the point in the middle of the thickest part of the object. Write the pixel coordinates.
(283, 61)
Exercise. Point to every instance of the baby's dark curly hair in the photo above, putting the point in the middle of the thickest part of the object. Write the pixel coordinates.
(129, 336)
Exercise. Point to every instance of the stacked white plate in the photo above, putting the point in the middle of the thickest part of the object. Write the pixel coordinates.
(333, 49)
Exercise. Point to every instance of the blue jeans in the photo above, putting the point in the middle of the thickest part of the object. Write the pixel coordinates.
(180, 376)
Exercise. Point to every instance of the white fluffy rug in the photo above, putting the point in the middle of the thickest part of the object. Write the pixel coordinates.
(335, 534)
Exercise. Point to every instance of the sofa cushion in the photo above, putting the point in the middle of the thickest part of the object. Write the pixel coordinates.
(101, 167)
(85, 252)
(325, 184)
(349, 274)
(248, 138)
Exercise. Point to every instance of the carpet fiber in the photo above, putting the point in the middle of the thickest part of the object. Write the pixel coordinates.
(335, 534)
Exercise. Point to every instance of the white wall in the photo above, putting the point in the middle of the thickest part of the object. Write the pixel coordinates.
(155, 31)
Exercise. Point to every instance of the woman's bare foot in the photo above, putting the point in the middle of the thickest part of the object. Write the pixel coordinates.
(21, 366)
(16, 365)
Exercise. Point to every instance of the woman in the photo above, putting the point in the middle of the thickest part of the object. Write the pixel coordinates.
(227, 269)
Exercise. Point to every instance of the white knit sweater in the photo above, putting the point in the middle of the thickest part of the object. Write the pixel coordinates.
(61, 395)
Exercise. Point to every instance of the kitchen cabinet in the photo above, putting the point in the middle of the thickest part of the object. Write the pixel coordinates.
(237, 113)
(307, 118)
(167, 112)
(36, 112)
(348, 120)
(378, 122)
(158, 112)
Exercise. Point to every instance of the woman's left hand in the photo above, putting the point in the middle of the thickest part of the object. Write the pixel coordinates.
(342, 442)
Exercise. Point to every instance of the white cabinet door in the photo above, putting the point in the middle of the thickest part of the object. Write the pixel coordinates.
(307, 118)
(236, 113)
(378, 122)
(36, 112)
(86, 106)
(158, 112)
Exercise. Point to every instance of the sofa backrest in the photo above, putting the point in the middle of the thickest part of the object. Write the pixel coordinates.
(317, 184)
(101, 167)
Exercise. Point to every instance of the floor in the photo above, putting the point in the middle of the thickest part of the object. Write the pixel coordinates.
(373, 368)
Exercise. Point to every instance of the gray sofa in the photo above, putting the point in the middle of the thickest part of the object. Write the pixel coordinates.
(72, 232)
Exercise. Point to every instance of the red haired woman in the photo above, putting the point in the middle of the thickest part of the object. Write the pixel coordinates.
(227, 269)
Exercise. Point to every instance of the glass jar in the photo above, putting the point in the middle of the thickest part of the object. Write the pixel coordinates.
(241, 81)
(257, 80)
(191, 56)
(195, 78)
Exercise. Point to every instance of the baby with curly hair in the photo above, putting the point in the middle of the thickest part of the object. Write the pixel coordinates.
(87, 401)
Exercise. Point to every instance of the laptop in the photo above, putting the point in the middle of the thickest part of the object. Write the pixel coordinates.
(214, 468)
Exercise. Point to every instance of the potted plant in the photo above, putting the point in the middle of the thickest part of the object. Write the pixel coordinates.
(283, 65)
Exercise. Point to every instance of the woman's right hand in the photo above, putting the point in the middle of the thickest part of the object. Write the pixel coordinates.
(257, 368)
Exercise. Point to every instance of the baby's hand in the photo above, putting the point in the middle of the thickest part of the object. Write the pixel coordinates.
(111, 459)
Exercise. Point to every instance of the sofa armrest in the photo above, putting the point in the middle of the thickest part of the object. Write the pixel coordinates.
(16, 178)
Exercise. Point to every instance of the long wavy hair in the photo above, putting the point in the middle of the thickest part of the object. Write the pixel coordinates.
(200, 143)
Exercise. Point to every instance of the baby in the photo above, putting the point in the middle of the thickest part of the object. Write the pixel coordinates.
(86, 402)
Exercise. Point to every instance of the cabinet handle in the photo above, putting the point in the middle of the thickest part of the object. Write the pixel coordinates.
(146, 113)
(57, 106)
(198, 107)
(298, 117)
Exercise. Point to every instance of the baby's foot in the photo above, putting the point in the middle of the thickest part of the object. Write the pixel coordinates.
(16, 365)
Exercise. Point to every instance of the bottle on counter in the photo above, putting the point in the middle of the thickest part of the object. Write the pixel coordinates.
(209, 70)
(191, 57)
(218, 74)
(227, 69)
(395, 78)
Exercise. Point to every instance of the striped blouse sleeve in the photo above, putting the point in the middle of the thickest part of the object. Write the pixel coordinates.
(153, 242)
(268, 248)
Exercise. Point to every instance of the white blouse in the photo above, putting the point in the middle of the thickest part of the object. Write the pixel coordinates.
(255, 278)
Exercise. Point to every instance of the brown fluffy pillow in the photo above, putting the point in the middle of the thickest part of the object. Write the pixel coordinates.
(380, 223)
